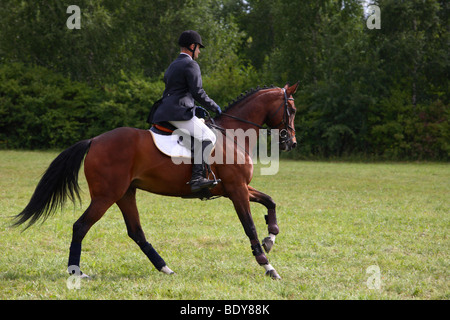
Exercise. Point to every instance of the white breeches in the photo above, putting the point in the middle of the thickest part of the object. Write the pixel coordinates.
(196, 129)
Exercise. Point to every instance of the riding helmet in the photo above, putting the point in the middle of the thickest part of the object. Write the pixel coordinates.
(189, 37)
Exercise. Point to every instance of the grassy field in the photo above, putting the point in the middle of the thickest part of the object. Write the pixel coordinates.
(337, 221)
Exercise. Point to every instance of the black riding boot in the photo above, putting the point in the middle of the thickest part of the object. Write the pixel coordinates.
(198, 180)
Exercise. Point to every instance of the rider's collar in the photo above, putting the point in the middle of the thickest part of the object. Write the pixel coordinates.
(186, 54)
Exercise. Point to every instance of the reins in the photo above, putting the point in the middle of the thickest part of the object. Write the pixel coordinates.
(284, 121)
(243, 120)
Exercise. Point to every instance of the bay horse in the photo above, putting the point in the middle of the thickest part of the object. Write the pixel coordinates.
(118, 162)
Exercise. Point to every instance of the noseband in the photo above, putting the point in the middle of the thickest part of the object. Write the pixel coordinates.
(284, 122)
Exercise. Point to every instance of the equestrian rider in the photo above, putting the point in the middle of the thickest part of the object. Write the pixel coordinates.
(183, 81)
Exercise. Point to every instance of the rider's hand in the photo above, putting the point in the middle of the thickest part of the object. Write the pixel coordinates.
(200, 112)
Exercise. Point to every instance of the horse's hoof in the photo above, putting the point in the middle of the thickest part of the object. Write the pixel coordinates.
(273, 274)
(167, 270)
(267, 244)
(75, 270)
(85, 276)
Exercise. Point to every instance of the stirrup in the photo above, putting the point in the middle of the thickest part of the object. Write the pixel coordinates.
(209, 171)
(202, 183)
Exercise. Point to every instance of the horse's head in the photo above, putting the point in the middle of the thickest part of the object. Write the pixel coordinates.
(276, 109)
(282, 118)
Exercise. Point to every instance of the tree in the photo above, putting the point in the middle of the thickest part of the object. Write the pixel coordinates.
(135, 36)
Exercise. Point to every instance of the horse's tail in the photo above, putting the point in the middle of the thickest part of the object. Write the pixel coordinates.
(58, 182)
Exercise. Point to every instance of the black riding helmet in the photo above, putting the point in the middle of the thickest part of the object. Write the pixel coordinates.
(189, 37)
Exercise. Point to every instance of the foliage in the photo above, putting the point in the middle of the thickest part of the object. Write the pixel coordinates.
(404, 131)
(351, 76)
(379, 93)
(126, 103)
(42, 109)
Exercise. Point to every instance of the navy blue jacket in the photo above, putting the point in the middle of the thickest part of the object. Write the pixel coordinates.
(183, 81)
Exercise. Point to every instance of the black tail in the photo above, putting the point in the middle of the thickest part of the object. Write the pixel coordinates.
(59, 181)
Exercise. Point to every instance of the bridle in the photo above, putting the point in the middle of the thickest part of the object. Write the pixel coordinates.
(283, 125)
(285, 120)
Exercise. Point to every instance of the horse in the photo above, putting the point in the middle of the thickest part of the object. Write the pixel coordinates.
(118, 162)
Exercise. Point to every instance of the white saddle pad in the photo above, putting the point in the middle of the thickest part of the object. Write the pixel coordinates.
(171, 145)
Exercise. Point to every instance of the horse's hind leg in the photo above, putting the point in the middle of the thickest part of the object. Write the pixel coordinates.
(131, 216)
(271, 217)
(93, 213)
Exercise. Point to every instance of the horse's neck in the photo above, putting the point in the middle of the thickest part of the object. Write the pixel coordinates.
(248, 115)
(252, 110)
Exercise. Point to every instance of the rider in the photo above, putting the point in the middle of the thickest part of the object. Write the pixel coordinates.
(183, 81)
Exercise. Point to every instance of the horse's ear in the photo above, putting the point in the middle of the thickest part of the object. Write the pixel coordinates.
(291, 90)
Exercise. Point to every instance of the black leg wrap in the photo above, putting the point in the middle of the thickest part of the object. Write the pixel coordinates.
(271, 221)
(154, 257)
(75, 253)
(256, 249)
(259, 254)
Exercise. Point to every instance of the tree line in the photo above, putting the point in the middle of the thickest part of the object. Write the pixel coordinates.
(370, 93)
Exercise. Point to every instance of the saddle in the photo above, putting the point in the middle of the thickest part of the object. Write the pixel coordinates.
(169, 143)
(173, 145)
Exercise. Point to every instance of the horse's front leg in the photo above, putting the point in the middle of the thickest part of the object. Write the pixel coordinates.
(240, 198)
(271, 217)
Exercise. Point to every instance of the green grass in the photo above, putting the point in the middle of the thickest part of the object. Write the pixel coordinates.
(336, 220)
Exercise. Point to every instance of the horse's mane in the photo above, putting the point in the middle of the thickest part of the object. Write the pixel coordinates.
(245, 95)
